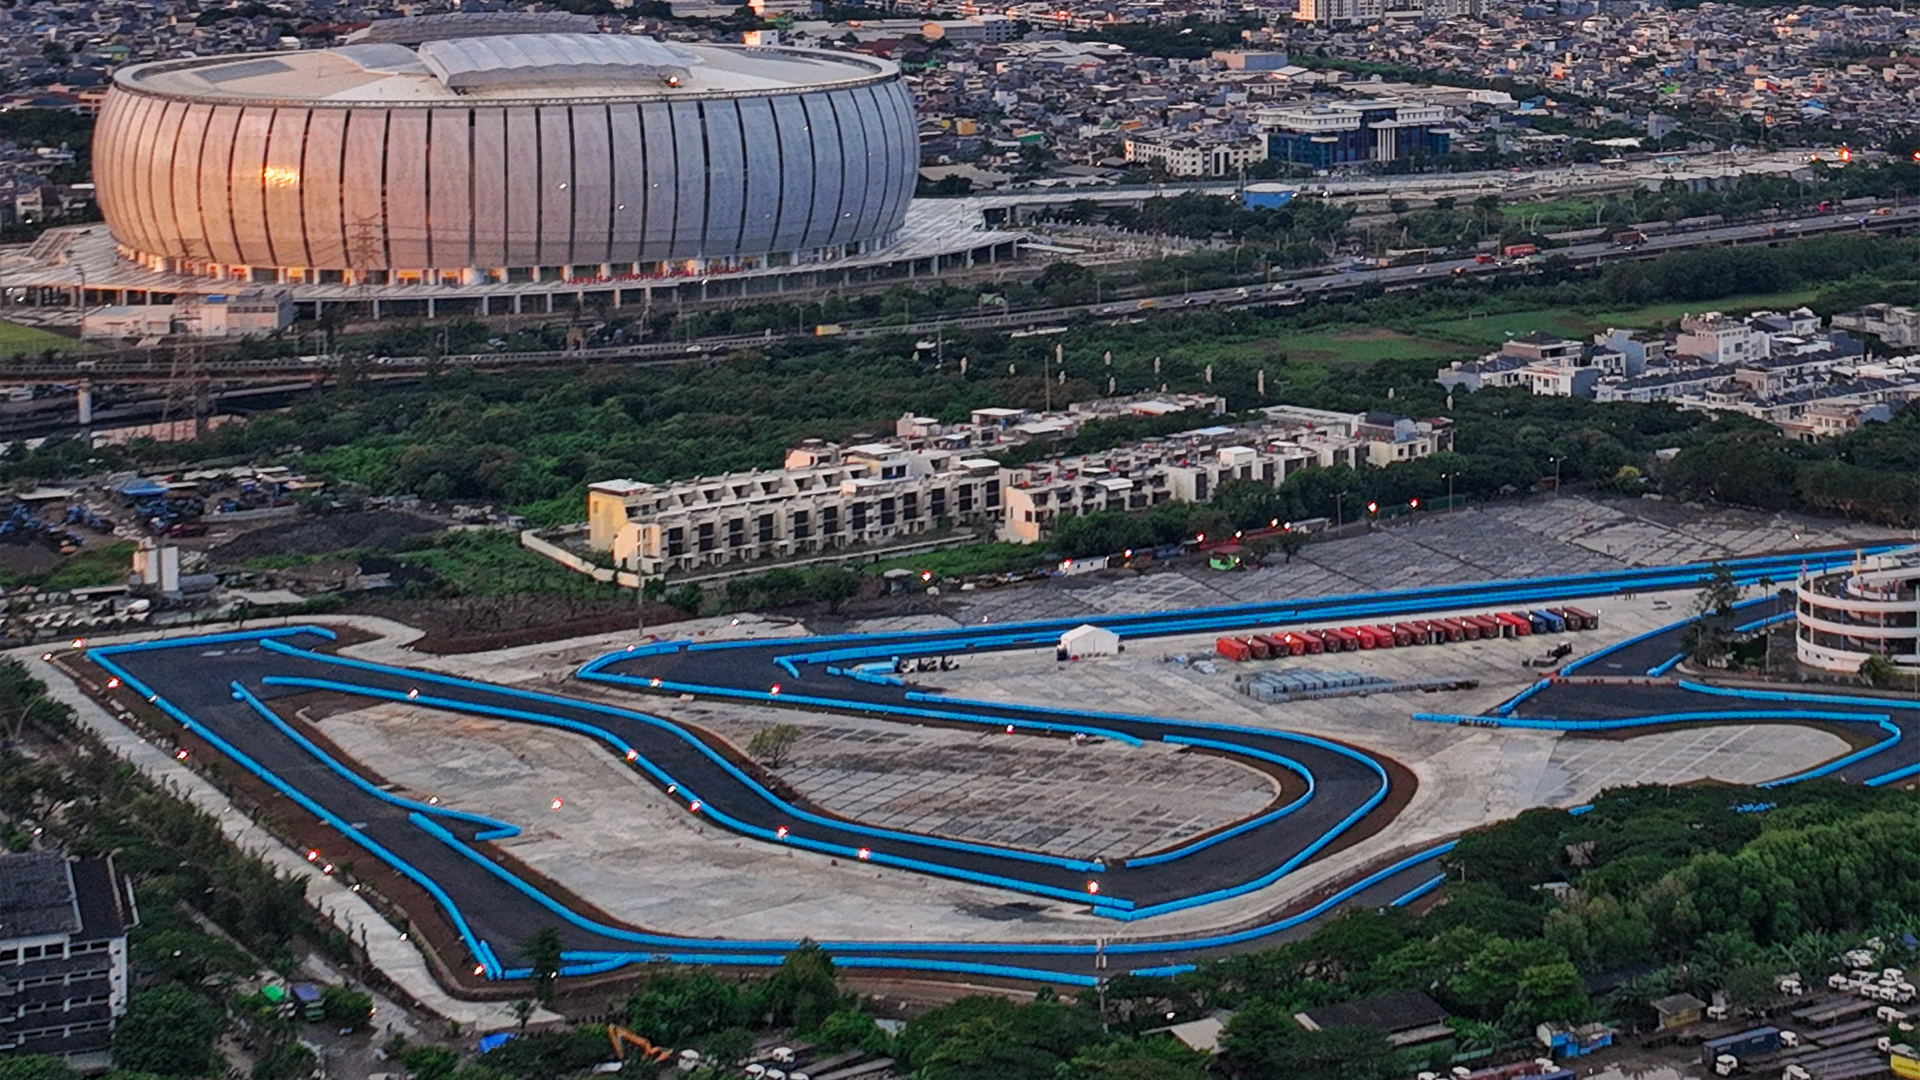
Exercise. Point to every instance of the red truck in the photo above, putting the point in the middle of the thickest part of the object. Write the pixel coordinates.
(1519, 251)
(1483, 258)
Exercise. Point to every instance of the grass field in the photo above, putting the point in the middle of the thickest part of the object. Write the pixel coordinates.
(1367, 345)
(1732, 305)
(1550, 216)
(1487, 331)
(15, 338)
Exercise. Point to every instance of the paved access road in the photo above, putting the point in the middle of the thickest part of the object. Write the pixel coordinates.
(223, 687)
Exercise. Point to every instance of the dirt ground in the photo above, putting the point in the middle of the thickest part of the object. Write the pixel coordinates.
(377, 530)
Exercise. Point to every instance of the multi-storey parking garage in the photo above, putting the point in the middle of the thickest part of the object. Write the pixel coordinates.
(469, 159)
(1863, 611)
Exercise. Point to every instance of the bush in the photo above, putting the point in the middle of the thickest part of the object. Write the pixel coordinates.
(430, 1062)
(346, 1008)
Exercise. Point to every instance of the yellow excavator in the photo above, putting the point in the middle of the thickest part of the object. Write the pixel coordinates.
(620, 1037)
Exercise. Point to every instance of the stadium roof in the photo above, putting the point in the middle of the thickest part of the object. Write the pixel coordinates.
(500, 67)
(521, 60)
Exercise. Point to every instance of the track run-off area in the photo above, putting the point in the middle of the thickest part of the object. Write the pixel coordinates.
(223, 688)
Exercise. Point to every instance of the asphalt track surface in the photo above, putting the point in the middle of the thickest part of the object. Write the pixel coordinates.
(223, 688)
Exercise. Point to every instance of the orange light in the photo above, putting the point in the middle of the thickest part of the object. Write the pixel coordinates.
(79, 643)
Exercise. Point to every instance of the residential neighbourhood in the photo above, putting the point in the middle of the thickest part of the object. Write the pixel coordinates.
(1782, 368)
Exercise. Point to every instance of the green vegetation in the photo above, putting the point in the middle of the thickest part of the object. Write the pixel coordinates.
(491, 563)
(108, 564)
(18, 340)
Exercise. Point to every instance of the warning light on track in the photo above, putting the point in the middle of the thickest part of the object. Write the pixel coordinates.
(654, 682)
(865, 854)
(180, 754)
(313, 855)
(780, 833)
(775, 689)
(79, 643)
(1093, 887)
(633, 755)
(113, 683)
(556, 804)
(479, 969)
(694, 806)
(1009, 729)
(413, 695)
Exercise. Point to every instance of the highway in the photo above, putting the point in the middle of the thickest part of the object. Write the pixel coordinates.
(158, 366)
(230, 690)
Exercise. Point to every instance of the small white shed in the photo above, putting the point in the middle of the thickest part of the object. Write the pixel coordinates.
(1088, 640)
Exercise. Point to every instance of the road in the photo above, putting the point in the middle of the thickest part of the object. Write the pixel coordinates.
(225, 688)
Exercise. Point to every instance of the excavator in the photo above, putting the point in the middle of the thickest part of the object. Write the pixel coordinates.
(620, 1037)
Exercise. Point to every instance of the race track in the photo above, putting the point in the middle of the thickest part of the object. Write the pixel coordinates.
(224, 688)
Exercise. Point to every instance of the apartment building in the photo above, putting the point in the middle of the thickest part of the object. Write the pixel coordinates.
(63, 952)
(1189, 153)
(826, 497)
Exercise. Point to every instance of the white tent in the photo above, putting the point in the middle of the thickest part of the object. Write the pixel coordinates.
(1088, 640)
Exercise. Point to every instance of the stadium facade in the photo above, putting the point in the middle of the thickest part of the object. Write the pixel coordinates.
(451, 155)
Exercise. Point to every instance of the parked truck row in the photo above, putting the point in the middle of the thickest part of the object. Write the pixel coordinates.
(1501, 624)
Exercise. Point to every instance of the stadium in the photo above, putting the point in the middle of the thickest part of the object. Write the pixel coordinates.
(458, 152)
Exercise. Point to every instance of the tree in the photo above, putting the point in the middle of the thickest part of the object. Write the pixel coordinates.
(834, 583)
(430, 1062)
(346, 1008)
(674, 1009)
(1136, 1059)
(771, 745)
(167, 1030)
(36, 1067)
(1291, 542)
(1263, 1040)
(1710, 637)
(522, 1009)
(285, 1061)
(804, 992)
(542, 952)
